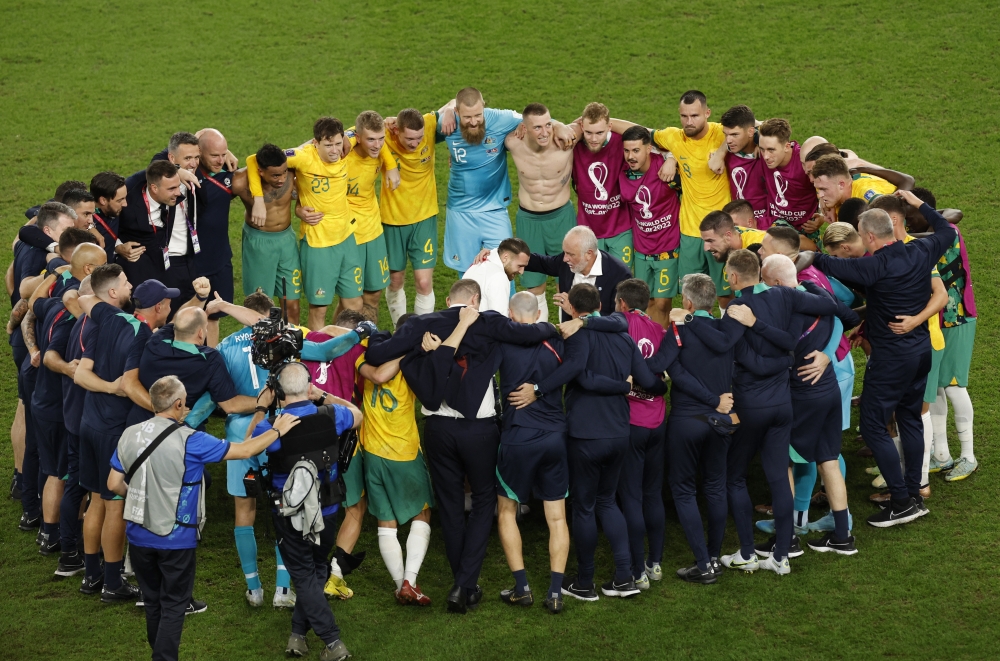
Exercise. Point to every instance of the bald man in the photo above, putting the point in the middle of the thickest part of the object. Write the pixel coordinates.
(178, 348)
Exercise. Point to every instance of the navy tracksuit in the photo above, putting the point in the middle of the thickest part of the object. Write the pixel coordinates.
(897, 283)
(692, 445)
(763, 403)
(458, 448)
(596, 368)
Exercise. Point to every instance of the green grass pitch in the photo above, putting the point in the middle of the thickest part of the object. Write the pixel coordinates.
(914, 86)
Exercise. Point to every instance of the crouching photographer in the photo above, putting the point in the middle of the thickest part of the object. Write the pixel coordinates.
(305, 490)
(159, 469)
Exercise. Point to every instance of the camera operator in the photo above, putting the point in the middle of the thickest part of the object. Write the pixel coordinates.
(165, 504)
(306, 534)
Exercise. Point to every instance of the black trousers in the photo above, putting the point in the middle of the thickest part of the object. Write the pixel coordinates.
(308, 566)
(455, 449)
(166, 578)
(180, 275)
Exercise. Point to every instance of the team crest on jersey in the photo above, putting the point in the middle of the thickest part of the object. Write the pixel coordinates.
(320, 292)
(488, 141)
(423, 151)
(228, 181)
(289, 152)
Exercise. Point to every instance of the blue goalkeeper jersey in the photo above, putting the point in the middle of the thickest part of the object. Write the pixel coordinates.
(249, 378)
(478, 179)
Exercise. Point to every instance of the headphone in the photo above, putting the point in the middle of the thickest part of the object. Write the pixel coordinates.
(275, 381)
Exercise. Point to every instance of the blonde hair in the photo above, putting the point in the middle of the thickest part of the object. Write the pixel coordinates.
(595, 112)
(838, 233)
(369, 120)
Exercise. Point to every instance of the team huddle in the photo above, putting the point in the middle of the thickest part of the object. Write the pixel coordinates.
(785, 256)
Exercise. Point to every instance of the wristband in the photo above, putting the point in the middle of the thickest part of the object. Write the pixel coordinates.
(260, 409)
(202, 298)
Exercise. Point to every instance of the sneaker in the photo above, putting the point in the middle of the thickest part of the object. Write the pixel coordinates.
(895, 516)
(765, 510)
(92, 587)
(694, 574)
(963, 469)
(47, 547)
(874, 470)
(255, 597)
(941, 467)
(125, 592)
(414, 594)
(554, 604)
(827, 524)
(335, 651)
(195, 606)
(642, 582)
(827, 544)
(571, 589)
(879, 482)
(716, 567)
(27, 524)
(512, 598)
(819, 499)
(767, 526)
(626, 589)
(921, 506)
(337, 587)
(39, 538)
(737, 561)
(141, 603)
(283, 598)
(654, 572)
(70, 564)
(296, 645)
(780, 568)
(767, 548)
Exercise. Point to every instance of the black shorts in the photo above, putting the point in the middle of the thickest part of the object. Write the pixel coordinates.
(51, 438)
(96, 449)
(222, 282)
(26, 384)
(532, 461)
(817, 426)
(20, 352)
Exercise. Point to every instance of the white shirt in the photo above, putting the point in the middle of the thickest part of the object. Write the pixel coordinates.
(178, 245)
(494, 286)
(595, 271)
(487, 409)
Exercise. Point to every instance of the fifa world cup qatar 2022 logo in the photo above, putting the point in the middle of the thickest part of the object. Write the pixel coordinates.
(644, 198)
(598, 173)
(739, 177)
(780, 186)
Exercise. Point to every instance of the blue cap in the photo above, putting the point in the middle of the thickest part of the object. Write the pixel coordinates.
(152, 292)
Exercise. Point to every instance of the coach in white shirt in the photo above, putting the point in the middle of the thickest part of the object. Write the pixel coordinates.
(495, 273)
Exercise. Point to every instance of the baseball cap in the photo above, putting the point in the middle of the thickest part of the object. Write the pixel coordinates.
(152, 292)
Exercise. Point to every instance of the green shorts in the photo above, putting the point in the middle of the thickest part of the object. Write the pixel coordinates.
(397, 490)
(930, 390)
(958, 342)
(718, 272)
(270, 258)
(334, 270)
(354, 479)
(659, 274)
(544, 233)
(620, 246)
(693, 256)
(374, 264)
(418, 242)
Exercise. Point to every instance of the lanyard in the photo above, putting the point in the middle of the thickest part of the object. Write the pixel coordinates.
(810, 329)
(83, 324)
(142, 319)
(56, 321)
(554, 352)
(149, 211)
(106, 227)
(677, 335)
(209, 177)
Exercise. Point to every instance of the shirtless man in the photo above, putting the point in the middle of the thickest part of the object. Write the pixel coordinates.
(270, 250)
(545, 212)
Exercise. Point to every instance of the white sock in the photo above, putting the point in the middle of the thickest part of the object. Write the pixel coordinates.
(925, 418)
(392, 554)
(543, 305)
(424, 303)
(939, 421)
(962, 404)
(899, 449)
(335, 568)
(801, 518)
(416, 548)
(396, 300)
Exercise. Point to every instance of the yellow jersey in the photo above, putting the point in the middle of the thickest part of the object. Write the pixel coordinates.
(416, 198)
(934, 323)
(320, 185)
(389, 426)
(868, 187)
(362, 170)
(703, 191)
(750, 236)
